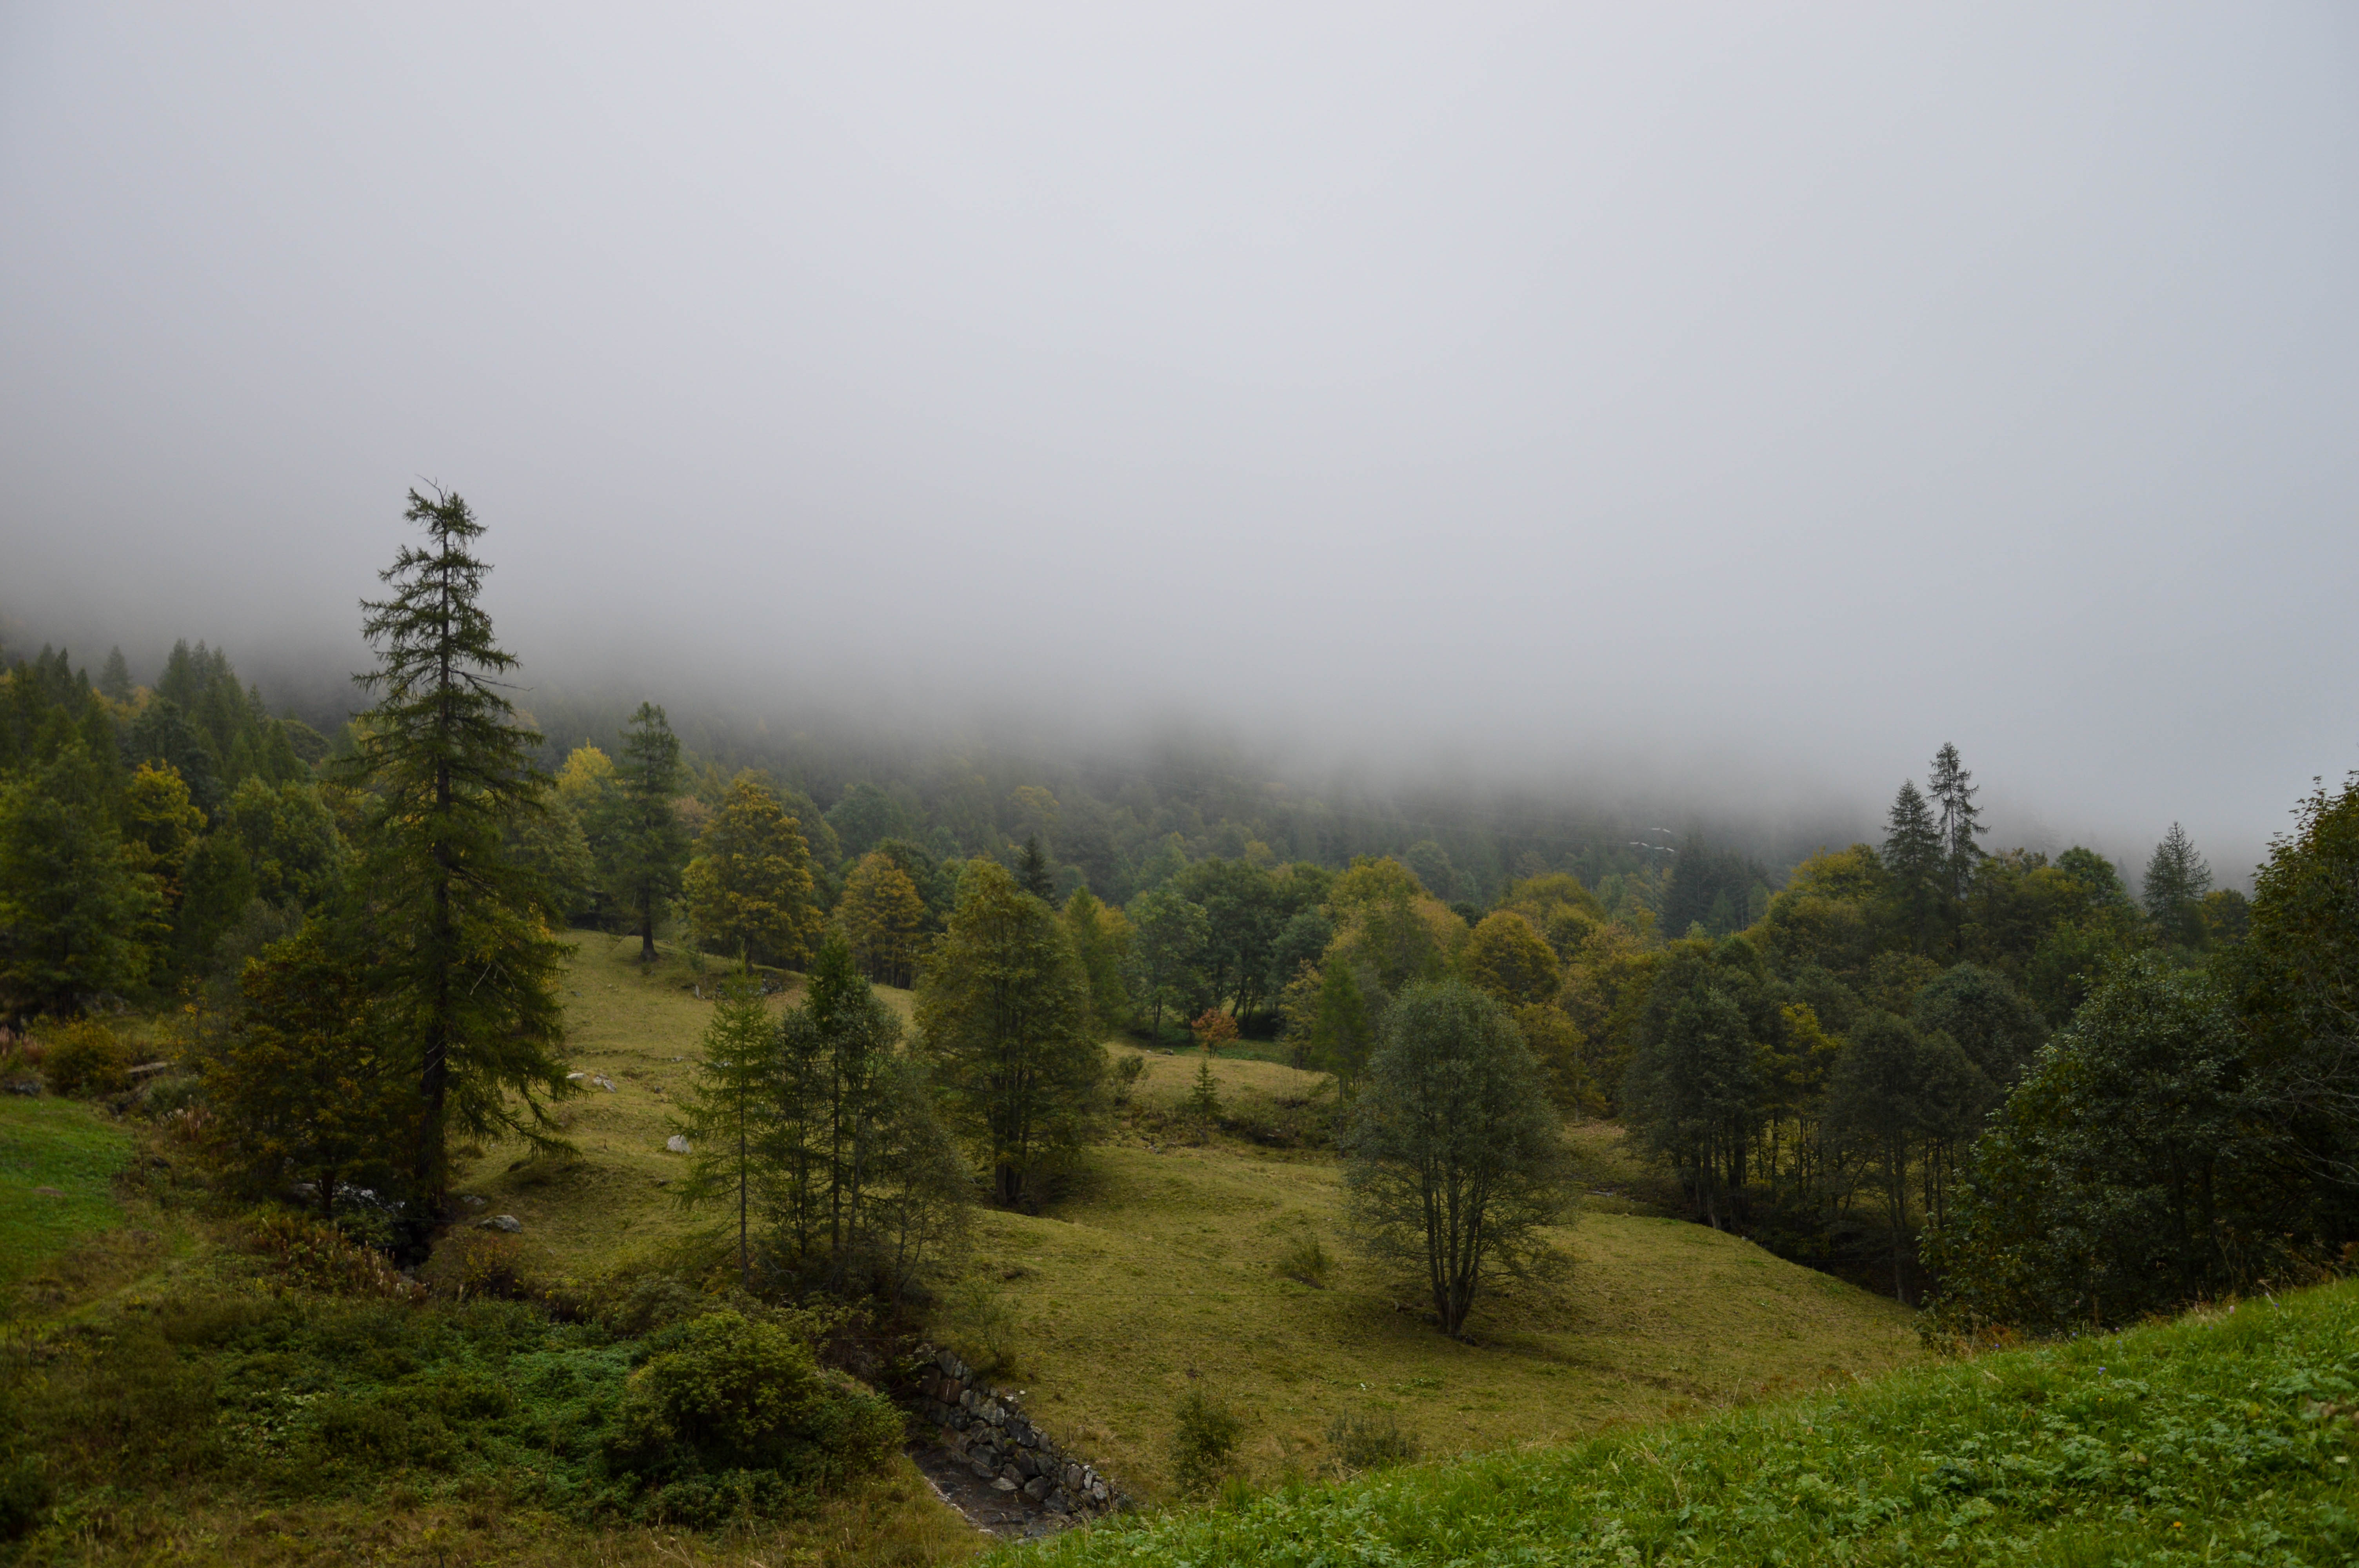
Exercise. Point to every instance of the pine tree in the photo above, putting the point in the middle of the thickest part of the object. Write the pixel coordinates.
(1204, 1098)
(1032, 872)
(1954, 790)
(2176, 881)
(114, 678)
(78, 914)
(1918, 862)
(644, 844)
(458, 957)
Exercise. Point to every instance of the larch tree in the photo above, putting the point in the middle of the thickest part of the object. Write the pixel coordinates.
(730, 1117)
(1454, 1156)
(641, 834)
(1004, 1020)
(883, 918)
(749, 886)
(458, 956)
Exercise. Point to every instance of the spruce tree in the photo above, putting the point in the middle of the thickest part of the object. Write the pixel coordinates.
(1032, 872)
(2176, 881)
(450, 926)
(1919, 860)
(645, 843)
(1953, 792)
(115, 679)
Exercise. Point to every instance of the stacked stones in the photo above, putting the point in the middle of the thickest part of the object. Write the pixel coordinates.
(987, 1429)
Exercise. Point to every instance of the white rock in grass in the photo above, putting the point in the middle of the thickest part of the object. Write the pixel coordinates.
(676, 1144)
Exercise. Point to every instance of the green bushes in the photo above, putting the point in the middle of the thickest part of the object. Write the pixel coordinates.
(296, 1396)
(1206, 1436)
(84, 1057)
(720, 1394)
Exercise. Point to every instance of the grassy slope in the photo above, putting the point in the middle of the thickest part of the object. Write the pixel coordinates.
(58, 1160)
(1161, 1265)
(2224, 1437)
(1160, 1272)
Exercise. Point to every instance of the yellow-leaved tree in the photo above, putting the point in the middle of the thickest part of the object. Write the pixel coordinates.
(882, 919)
(749, 883)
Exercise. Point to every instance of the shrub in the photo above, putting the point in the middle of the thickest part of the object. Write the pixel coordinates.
(1306, 1261)
(1371, 1441)
(24, 1497)
(84, 1057)
(720, 1395)
(1126, 1071)
(1206, 1437)
(981, 1324)
(472, 1264)
(318, 1256)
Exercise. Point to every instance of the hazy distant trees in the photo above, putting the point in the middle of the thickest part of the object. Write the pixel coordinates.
(450, 935)
(1452, 1154)
(1004, 1017)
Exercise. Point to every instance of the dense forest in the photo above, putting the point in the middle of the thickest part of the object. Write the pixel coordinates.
(1904, 1061)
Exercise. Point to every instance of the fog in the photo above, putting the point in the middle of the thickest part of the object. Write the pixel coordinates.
(1732, 402)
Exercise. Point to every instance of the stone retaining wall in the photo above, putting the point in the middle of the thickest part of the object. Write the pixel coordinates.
(987, 1428)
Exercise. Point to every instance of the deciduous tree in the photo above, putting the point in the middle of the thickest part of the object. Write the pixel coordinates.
(1453, 1155)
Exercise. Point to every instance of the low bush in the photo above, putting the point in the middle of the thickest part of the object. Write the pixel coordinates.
(1203, 1441)
(1306, 1261)
(1371, 1441)
(731, 1415)
(83, 1056)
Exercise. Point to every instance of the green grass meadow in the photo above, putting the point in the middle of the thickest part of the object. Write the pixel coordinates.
(58, 1163)
(2226, 1438)
(1677, 1395)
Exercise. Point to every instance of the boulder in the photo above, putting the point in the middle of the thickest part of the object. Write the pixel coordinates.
(1036, 1487)
(676, 1144)
(506, 1222)
(1002, 1485)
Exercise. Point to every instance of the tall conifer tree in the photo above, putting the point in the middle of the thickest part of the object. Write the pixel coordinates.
(1953, 792)
(458, 954)
(646, 844)
(1032, 872)
(1919, 860)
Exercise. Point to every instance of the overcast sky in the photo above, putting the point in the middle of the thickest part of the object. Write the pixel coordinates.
(1758, 395)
